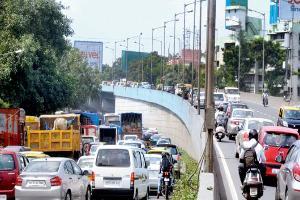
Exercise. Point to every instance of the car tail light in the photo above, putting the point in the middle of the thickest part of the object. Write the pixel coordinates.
(56, 181)
(19, 181)
(235, 122)
(296, 172)
(93, 176)
(132, 179)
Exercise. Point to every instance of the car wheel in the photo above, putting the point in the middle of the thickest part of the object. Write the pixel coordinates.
(236, 155)
(88, 195)
(68, 196)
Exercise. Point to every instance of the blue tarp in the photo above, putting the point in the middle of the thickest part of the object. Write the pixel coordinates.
(94, 117)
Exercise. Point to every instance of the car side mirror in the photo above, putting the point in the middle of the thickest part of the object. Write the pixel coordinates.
(87, 173)
(279, 159)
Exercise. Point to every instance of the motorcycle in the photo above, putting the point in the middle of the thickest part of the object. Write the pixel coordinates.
(220, 127)
(253, 184)
(265, 101)
(166, 184)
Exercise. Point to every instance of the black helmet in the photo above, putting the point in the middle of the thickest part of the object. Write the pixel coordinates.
(253, 134)
(221, 108)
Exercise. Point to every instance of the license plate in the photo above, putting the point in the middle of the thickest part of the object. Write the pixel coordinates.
(112, 182)
(166, 179)
(253, 192)
(3, 197)
(220, 134)
(36, 183)
(275, 171)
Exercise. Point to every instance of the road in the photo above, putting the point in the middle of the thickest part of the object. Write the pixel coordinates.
(227, 155)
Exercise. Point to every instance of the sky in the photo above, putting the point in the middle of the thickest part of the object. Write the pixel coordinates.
(115, 20)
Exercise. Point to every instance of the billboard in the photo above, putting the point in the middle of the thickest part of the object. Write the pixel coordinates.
(289, 9)
(237, 3)
(92, 52)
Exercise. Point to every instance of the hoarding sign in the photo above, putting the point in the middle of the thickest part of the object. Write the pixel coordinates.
(289, 9)
(92, 52)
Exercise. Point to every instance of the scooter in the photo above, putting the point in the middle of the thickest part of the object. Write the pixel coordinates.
(220, 129)
(253, 184)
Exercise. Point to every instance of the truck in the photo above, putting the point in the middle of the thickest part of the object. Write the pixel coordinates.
(131, 124)
(108, 135)
(89, 123)
(112, 118)
(58, 135)
(12, 123)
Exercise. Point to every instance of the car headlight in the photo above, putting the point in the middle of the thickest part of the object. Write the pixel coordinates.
(284, 123)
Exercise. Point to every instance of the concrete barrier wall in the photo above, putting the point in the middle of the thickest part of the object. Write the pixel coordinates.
(173, 115)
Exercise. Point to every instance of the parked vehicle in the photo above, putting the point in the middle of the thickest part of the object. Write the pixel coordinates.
(53, 178)
(289, 117)
(276, 141)
(12, 127)
(129, 178)
(237, 117)
(288, 177)
(232, 94)
(58, 134)
(31, 155)
(245, 127)
(11, 165)
(219, 98)
(132, 124)
(153, 169)
(176, 155)
(109, 135)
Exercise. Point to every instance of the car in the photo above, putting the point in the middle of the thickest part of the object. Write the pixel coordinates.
(154, 139)
(232, 94)
(11, 165)
(219, 98)
(31, 155)
(245, 127)
(169, 89)
(89, 139)
(202, 101)
(229, 107)
(288, 176)
(276, 141)
(237, 117)
(120, 171)
(120, 142)
(86, 162)
(163, 141)
(130, 137)
(153, 169)
(135, 143)
(173, 149)
(93, 148)
(53, 178)
(289, 117)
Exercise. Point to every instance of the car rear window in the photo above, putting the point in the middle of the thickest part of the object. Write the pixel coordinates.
(279, 140)
(7, 162)
(173, 150)
(87, 140)
(113, 158)
(254, 124)
(138, 145)
(86, 163)
(43, 166)
(242, 113)
(219, 97)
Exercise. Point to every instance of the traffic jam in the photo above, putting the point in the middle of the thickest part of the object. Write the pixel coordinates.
(82, 155)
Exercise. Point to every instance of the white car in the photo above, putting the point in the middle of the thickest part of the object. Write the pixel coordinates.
(245, 127)
(219, 98)
(131, 137)
(135, 143)
(86, 162)
(232, 94)
(153, 169)
(120, 171)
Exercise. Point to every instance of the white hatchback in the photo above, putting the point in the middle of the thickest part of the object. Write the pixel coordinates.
(120, 171)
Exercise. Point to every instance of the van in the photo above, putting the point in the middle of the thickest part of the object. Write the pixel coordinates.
(120, 171)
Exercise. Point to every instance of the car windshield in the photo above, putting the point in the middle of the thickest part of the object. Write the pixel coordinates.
(242, 113)
(163, 142)
(113, 158)
(87, 140)
(130, 138)
(6, 162)
(279, 140)
(173, 150)
(292, 114)
(232, 91)
(138, 145)
(86, 163)
(93, 149)
(154, 160)
(255, 124)
(219, 97)
(43, 166)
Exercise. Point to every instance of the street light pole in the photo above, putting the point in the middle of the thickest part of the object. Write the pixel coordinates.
(151, 58)
(113, 70)
(112, 62)
(193, 57)
(200, 55)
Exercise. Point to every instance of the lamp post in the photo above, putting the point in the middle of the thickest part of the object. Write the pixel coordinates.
(263, 45)
(141, 58)
(112, 62)
(161, 53)
(239, 62)
(193, 56)
(179, 48)
(151, 58)
(113, 70)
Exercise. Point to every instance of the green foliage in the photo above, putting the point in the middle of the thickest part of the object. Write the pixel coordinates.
(186, 188)
(37, 79)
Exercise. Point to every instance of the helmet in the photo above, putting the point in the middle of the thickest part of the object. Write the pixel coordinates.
(220, 108)
(253, 134)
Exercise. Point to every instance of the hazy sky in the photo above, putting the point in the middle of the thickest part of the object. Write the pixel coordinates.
(114, 20)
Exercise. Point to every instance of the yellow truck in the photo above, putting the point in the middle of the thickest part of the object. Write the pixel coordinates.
(59, 135)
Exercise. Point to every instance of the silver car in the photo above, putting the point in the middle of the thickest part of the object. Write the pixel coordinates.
(153, 169)
(288, 177)
(53, 179)
(237, 117)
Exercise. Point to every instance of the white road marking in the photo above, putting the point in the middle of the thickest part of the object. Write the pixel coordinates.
(227, 172)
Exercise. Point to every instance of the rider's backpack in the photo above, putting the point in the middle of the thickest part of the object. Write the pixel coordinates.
(250, 158)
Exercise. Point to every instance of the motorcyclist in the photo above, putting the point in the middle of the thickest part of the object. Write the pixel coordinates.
(166, 165)
(265, 97)
(260, 154)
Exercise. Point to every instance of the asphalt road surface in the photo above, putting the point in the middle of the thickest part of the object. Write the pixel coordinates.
(226, 156)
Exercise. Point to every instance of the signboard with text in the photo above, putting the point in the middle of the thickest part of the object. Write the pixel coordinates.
(289, 10)
(92, 52)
